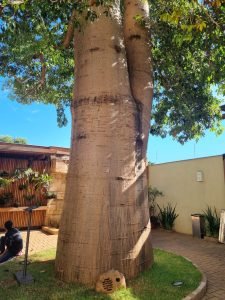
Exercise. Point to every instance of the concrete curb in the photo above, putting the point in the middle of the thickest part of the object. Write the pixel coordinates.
(200, 292)
(50, 230)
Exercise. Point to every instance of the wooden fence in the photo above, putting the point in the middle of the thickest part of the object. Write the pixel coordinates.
(19, 217)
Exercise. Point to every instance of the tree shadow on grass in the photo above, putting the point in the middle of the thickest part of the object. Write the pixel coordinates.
(45, 286)
(154, 284)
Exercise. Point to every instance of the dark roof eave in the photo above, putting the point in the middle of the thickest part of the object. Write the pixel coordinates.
(31, 149)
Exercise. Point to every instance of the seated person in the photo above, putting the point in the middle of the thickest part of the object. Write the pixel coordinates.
(11, 244)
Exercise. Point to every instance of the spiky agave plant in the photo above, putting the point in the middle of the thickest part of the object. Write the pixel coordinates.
(212, 221)
(167, 216)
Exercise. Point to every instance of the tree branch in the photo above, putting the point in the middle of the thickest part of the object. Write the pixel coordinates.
(42, 80)
(203, 6)
(43, 69)
(70, 31)
(1, 9)
(138, 48)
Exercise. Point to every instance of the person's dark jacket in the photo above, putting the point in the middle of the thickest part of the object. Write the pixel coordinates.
(13, 241)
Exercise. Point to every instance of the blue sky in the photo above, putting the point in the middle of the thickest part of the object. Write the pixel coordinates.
(37, 123)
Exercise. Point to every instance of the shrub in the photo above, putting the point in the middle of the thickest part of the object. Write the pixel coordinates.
(153, 193)
(167, 216)
(4, 182)
(6, 198)
(212, 222)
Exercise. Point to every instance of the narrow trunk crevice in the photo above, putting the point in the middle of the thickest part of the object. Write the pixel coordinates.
(134, 36)
(120, 178)
(81, 136)
(94, 49)
(139, 138)
(118, 48)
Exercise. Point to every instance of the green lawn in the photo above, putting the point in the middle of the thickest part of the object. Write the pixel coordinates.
(152, 284)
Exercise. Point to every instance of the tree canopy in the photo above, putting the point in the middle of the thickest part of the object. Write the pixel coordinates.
(188, 49)
(9, 139)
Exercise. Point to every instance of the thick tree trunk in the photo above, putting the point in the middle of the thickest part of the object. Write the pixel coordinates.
(105, 222)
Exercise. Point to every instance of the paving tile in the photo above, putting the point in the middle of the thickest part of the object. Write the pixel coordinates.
(39, 241)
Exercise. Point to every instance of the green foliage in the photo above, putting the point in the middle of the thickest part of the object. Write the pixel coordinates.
(32, 181)
(167, 216)
(9, 139)
(19, 141)
(154, 284)
(189, 59)
(6, 198)
(188, 50)
(140, 20)
(50, 195)
(4, 182)
(42, 181)
(153, 194)
(212, 221)
(4, 173)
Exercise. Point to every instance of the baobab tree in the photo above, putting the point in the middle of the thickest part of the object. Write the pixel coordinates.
(105, 222)
(118, 48)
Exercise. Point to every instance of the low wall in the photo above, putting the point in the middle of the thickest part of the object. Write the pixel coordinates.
(59, 168)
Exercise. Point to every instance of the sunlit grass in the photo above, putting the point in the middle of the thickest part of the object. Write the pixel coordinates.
(154, 283)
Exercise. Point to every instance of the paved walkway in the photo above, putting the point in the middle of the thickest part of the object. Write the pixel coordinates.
(208, 255)
(39, 241)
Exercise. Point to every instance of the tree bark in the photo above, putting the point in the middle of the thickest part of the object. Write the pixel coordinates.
(105, 222)
(138, 47)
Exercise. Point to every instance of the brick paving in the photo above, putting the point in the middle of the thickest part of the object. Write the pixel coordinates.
(208, 255)
(39, 241)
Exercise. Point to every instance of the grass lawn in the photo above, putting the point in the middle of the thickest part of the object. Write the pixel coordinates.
(154, 284)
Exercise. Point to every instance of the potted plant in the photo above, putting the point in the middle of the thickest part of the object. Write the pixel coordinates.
(153, 194)
(29, 197)
(22, 186)
(4, 182)
(4, 173)
(5, 198)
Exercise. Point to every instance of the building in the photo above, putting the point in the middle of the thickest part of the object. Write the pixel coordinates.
(192, 185)
(52, 160)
